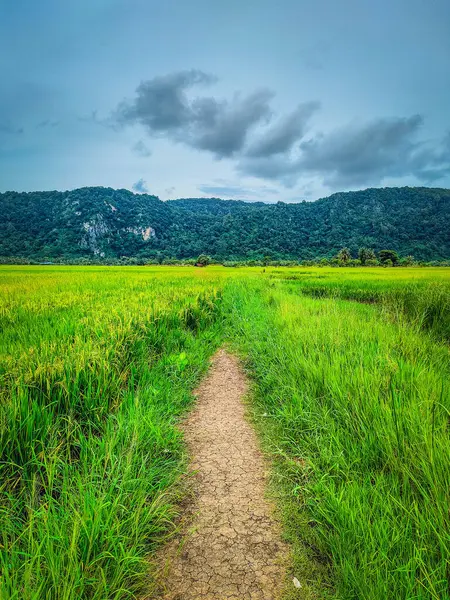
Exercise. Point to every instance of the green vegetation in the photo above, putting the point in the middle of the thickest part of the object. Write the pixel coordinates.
(350, 369)
(388, 256)
(354, 405)
(203, 260)
(95, 368)
(103, 225)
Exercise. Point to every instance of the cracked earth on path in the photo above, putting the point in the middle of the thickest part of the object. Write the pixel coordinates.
(231, 547)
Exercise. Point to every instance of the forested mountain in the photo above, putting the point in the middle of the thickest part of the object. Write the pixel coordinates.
(102, 224)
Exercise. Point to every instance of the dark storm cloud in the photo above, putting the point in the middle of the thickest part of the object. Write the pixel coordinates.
(140, 186)
(361, 155)
(225, 130)
(353, 155)
(161, 103)
(163, 107)
(280, 137)
(242, 128)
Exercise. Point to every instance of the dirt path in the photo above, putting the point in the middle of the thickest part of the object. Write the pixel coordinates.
(231, 549)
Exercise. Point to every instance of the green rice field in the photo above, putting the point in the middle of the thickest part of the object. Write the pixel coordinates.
(350, 398)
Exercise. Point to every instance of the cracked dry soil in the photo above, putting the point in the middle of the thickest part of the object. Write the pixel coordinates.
(230, 548)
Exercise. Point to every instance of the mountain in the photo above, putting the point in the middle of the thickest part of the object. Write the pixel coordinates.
(93, 222)
(102, 224)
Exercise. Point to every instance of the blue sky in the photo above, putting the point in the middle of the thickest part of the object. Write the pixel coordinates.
(244, 99)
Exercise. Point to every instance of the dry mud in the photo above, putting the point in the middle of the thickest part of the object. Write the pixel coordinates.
(230, 548)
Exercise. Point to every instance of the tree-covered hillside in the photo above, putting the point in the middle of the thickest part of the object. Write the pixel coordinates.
(102, 223)
(92, 222)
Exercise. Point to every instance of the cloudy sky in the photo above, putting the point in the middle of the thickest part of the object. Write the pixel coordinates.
(251, 99)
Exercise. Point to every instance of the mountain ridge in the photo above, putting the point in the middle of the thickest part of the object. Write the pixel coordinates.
(101, 223)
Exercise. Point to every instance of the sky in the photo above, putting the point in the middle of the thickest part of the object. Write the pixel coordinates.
(247, 99)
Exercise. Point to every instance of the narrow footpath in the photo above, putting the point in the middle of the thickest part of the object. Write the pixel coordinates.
(231, 547)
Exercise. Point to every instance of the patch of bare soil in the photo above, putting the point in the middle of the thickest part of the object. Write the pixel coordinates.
(231, 548)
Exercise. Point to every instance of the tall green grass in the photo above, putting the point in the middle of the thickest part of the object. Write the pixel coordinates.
(95, 371)
(422, 296)
(356, 410)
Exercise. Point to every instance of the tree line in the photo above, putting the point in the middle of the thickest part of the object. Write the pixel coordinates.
(366, 258)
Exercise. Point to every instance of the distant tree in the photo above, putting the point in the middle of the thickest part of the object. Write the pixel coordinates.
(408, 261)
(344, 256)
(203, 260)
(372, 262)
(365, 254)
(385, 255)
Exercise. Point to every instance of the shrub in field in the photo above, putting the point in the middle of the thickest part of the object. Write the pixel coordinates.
(203, 260)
